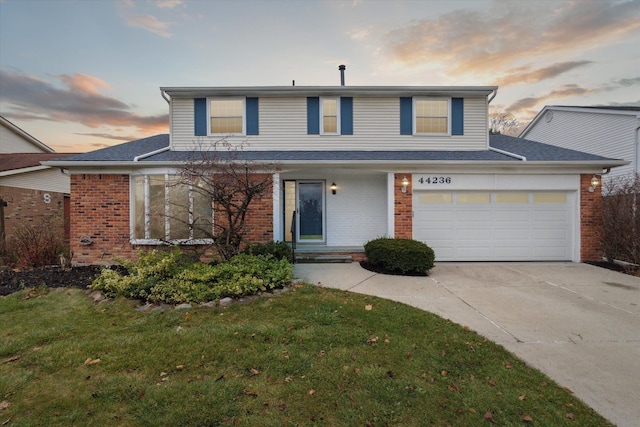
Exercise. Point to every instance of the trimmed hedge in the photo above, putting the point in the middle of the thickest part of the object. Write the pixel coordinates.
(401, 256)
(279, 250)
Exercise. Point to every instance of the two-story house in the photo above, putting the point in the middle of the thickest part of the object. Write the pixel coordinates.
(355, 163)
(610, 131)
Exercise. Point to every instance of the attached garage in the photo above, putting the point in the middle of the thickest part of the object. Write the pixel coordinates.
(497, 217)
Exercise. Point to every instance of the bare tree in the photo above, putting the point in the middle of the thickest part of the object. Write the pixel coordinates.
(222, 185)
(501, 123)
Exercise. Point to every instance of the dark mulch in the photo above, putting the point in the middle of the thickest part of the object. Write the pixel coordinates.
(382, 270)
(630, 270)
(50, 277)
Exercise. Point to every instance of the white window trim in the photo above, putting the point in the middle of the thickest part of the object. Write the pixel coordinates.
(227, 98)
(337, 99)
(415, 115)
(147, 215)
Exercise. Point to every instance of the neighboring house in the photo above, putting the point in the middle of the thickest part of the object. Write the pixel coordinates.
(29, 191)
(408, 162)
(606, 131)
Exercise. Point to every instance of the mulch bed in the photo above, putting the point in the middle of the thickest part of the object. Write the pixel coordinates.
(50, 277)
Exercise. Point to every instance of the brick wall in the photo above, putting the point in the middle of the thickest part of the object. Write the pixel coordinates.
(25, 206)
(100, 211)
(590, 220)
(403, 206)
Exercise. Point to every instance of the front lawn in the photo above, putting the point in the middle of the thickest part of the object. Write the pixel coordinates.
(310, 356)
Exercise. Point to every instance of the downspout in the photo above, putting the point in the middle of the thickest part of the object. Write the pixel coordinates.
(151, 153)
(165, 97)
(495, 92)
(507, 153)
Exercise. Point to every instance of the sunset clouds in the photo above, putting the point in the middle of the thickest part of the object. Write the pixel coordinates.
(87, 73)
(72, 98)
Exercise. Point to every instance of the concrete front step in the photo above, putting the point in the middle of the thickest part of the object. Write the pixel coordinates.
(311, 258)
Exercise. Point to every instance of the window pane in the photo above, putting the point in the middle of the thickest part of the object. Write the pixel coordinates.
(226, 125)
(435, 198)
(431, 125)
(202, 215)
(555, 198)
(512, 198)
(156, 207)
(138, 207)
(329, 107)
(432, 116)
(226, 115)
(178, 209)
(473, 198)
(330, 125)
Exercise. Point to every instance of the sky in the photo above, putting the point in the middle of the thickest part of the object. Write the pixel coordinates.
(80, 75)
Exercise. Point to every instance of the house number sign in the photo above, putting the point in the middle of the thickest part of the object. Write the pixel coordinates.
(434, 179)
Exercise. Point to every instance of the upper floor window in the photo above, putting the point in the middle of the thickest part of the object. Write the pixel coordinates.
(431, 116)
(227, 116)
(330, 115)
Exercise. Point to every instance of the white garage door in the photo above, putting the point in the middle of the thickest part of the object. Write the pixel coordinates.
(495, 226)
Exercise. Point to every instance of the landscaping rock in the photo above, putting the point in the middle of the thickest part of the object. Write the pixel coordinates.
(224, 302)
(208, 304)
(144, 308)
(183, 306)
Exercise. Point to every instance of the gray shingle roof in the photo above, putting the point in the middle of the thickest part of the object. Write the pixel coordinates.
(533, 151)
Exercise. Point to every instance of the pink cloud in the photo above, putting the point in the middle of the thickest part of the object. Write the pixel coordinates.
(149, 23)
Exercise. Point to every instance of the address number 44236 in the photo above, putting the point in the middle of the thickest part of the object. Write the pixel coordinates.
(434, 180)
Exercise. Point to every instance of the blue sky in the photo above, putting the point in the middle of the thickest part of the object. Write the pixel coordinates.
(82, 75)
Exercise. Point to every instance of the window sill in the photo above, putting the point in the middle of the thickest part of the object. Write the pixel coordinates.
(180, 242)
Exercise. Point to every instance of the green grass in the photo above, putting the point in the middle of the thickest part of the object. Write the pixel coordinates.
(312, 356)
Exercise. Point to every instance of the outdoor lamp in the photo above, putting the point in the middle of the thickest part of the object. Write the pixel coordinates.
(594, 184)
(405, 184)
(333, 187)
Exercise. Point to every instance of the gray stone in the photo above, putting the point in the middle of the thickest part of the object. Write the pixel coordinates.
(183, 306)
(208, 304)
(226, 302)
(145, 307)
(97, 296)
(161, 307)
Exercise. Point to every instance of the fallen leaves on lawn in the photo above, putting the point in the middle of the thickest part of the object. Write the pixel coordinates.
(91, 361)
(488, 416)
(254, 371)
(248, 392)
(4, 404)
(569, 415)
(312, 392)
(11, 359)
(179, 367)
(368, 307)
(527, 419)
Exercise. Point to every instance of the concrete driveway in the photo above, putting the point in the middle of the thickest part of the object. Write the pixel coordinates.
(577, 323)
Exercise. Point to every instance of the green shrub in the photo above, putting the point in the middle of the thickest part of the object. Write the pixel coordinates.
(279, 250)
(404, 256)
(169, 277)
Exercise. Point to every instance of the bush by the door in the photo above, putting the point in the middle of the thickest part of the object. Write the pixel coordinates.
(399, 256)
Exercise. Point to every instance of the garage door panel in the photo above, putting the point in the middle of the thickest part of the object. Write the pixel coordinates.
(540, 227)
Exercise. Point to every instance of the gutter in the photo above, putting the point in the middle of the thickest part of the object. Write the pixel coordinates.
(23, 170)
(495, 93)
(507, 153)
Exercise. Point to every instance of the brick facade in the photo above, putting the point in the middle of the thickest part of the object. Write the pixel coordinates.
(100, 212)
(590, 220)
(26, 206)
(403, 208)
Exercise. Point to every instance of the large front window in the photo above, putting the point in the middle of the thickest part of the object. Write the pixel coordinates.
(431, 116)
(167, 209)
(227, 116)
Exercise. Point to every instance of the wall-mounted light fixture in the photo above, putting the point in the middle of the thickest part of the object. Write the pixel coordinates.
(333, 187)
(594, 184)
(405, 184)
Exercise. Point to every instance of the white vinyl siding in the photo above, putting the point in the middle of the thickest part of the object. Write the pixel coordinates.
(12, 143)
(376, 126)
(608, 135)
(49, 179)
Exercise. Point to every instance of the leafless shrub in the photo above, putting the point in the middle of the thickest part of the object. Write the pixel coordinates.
(621, 219)
(39, 243)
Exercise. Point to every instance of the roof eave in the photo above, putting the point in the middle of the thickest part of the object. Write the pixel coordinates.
(274, 91)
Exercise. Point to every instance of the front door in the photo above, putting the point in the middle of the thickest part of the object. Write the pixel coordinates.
(307, 198)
